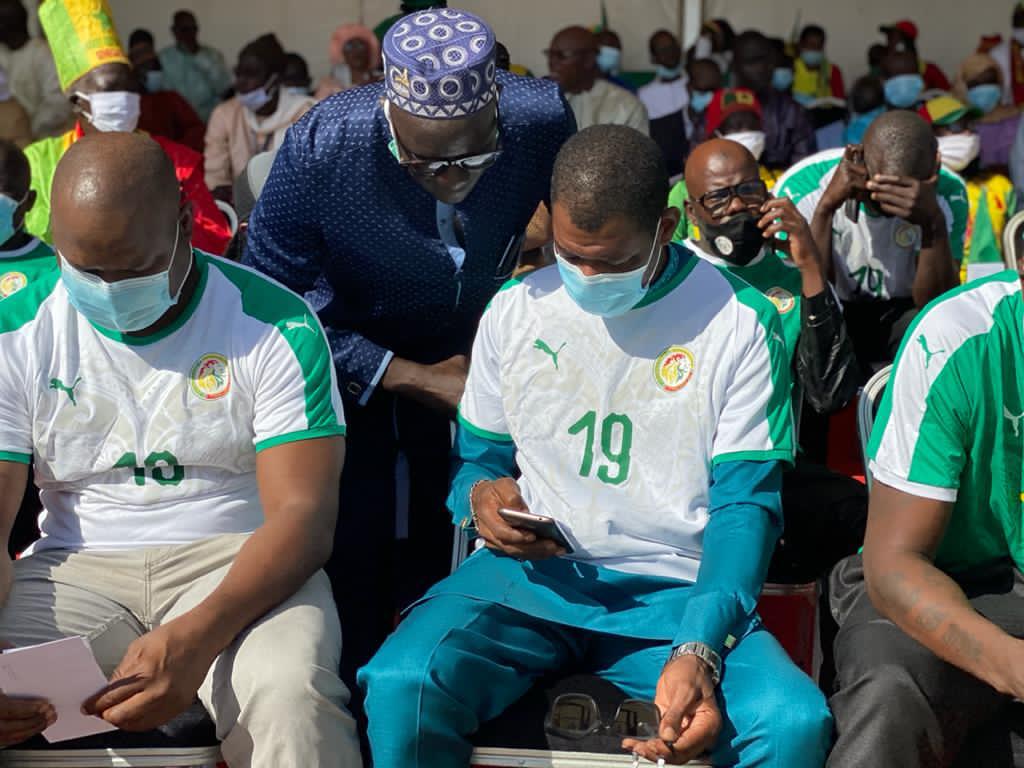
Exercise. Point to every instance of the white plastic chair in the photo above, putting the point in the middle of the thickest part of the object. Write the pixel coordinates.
(1011, 233)
(110, 758)
(229, 214)
(867, 407)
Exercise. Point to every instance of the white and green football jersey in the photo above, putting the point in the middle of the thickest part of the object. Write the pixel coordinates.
(150, 441)
(951, 424)
(876, 257)
(618, 422)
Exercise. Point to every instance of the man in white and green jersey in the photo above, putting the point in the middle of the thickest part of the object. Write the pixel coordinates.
(889, 221)
(186, 433)
(644, 396)
(933, 613)
(738, 222)
(23, 258)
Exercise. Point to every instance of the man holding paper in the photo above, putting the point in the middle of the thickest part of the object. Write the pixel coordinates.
(186, 431)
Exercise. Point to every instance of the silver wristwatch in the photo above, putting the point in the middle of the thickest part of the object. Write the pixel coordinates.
(705, 654)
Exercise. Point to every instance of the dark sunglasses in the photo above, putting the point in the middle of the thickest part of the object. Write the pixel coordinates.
(429, 168)
(752, 192)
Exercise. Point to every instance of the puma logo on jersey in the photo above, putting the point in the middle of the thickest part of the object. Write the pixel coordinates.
(60, 386)
(292, 325)
(543, 347)
(1014, 420)
(928, 353)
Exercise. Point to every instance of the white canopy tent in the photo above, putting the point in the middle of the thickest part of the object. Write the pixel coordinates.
(950, 29)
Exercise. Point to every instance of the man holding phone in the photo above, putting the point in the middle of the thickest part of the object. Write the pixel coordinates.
(644, 396)
(739, 224)
(890, 223)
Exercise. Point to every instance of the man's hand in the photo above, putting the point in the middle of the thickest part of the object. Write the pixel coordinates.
(910, 199)
(690, 720)
(850, 178)
(156, 680)
(438, 386)
(21, 719)
(781, 215)
(520, 543)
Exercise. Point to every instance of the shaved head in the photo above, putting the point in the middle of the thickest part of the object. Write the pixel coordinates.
(117, 211)
(901, 143)
(572, 59)
(713, 162)
(575, 37)
(116, 174)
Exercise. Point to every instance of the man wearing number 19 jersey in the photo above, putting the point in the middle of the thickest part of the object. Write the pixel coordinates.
(644, 396)
(185, 428)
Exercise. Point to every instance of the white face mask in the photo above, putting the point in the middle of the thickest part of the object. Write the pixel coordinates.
(752, 140)
(257, 99)
(959, 150)
(1018, 35)
(703, 48)
(113, 111)
(5, 87)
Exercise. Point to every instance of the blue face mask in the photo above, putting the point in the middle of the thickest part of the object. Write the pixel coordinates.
(699, 100)
(154, 81)
(609, 59)
(668, 73)
(813, 59)
(8, 205)
(782, 79)
(127, 305)
(903, 91)
(985, 97)
(609, 295)
(859, 123)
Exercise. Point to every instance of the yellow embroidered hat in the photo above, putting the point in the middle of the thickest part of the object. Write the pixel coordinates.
(82, 36)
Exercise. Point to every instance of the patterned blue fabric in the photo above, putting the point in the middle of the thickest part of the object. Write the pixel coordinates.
(440, 63)
(340, 221)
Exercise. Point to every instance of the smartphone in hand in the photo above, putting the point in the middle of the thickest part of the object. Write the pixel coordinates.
(544, 527)
(852, 207)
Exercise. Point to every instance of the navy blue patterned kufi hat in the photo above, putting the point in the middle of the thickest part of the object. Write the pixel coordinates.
(440, 64)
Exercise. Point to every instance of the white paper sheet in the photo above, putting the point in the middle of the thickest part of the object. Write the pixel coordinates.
(66, 674)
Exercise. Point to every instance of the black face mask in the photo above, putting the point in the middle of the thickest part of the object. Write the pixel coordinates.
(737, 241)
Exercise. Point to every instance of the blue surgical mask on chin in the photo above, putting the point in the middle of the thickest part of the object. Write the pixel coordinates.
(258, 98)
(668, 73)
(782, 78)
(611, 294)
(154, 81)
(985, 97)
(903, 91)
(8, 206)
(609, 59)
(699, 100)
(813, 59)
(128, 305)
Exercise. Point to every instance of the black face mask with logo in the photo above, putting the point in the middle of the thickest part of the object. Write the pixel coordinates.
(738, 240)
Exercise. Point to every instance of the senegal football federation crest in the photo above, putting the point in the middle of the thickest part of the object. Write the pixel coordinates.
(211, 377)
(674, 368)
(905, 235)
(11, 283)
(782, 299)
